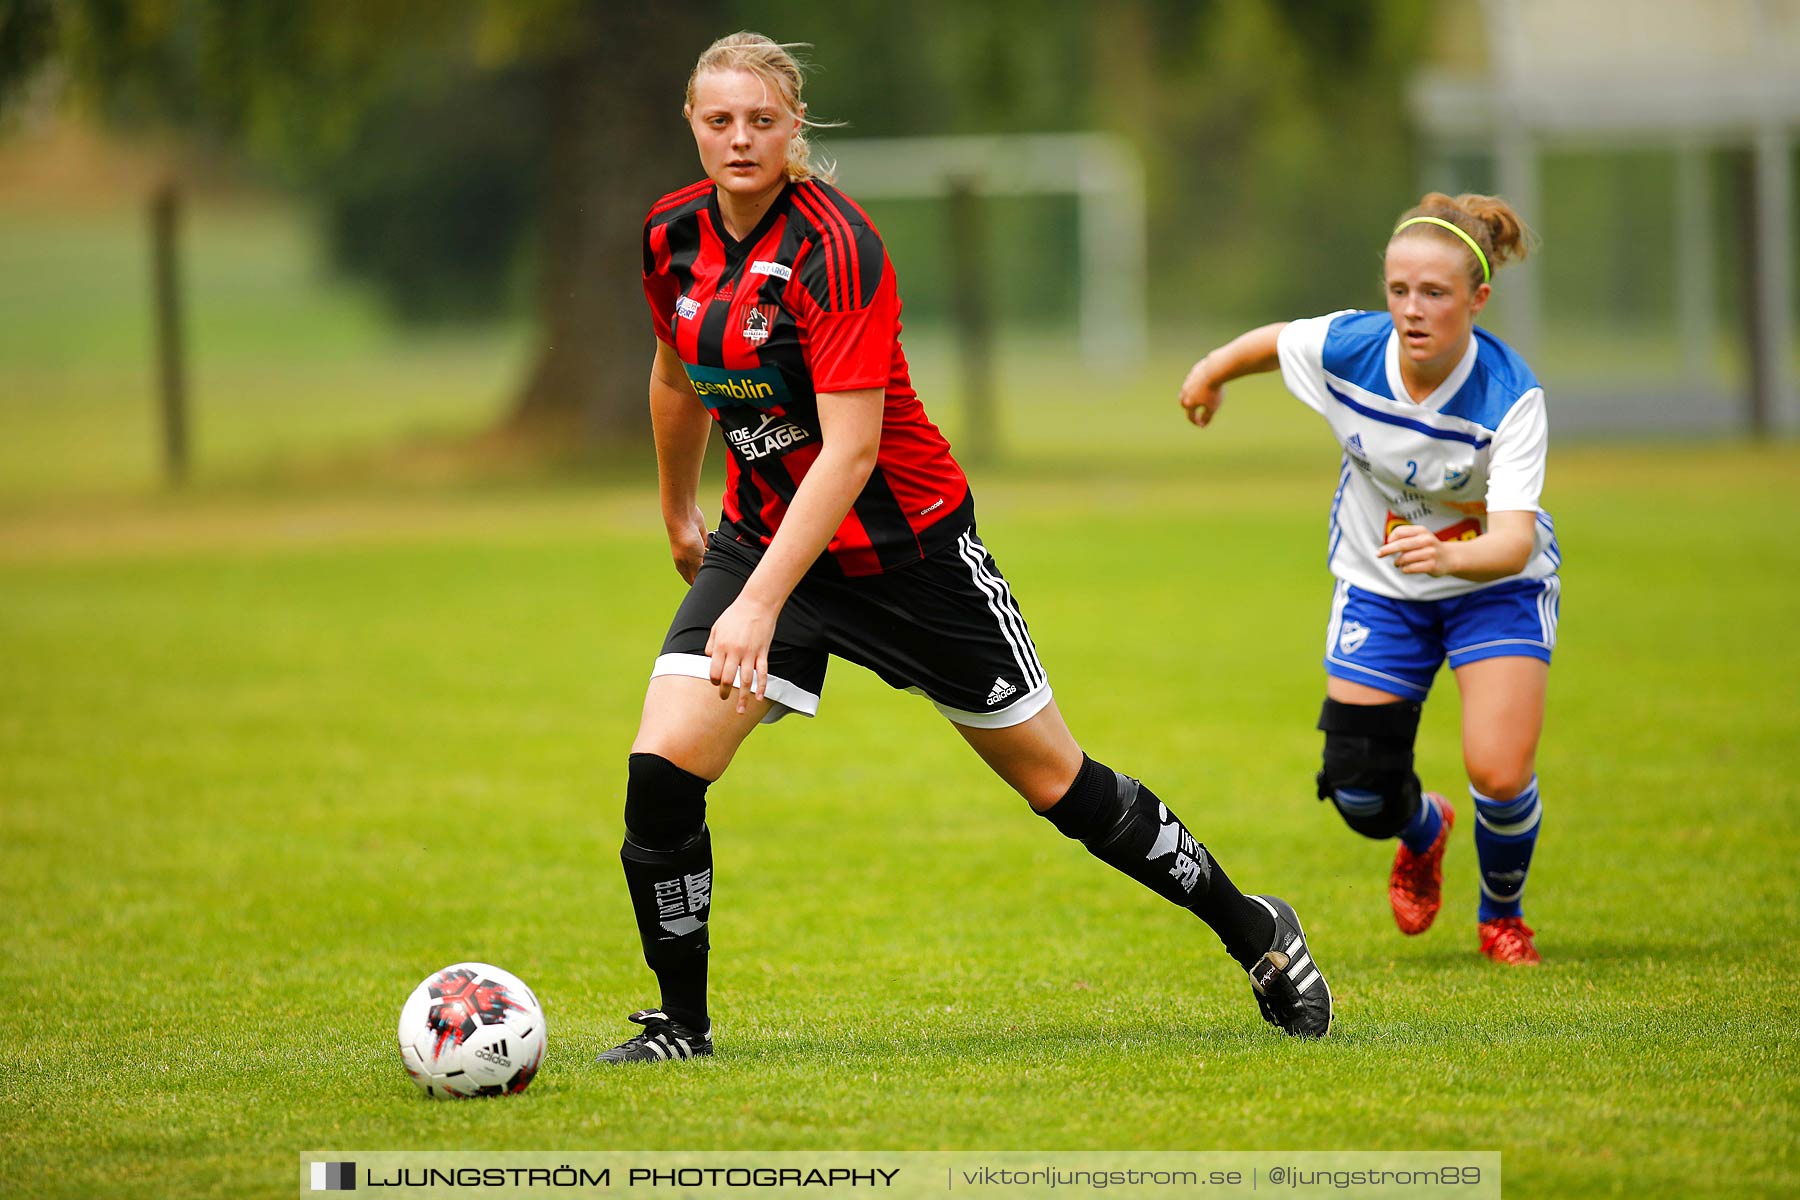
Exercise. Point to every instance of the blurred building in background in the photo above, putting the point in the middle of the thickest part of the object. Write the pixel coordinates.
(1697, 242)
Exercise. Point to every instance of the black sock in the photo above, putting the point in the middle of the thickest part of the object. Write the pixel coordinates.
(1124, 825)
(668, 871)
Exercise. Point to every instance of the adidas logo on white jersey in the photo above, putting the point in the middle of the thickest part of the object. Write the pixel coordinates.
(1002, 690)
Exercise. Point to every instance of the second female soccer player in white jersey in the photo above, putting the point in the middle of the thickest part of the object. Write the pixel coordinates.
(1439, 548)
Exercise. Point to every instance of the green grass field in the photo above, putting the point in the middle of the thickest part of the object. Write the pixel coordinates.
(269, 756)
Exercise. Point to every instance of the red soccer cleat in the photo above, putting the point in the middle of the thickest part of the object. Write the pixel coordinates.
(1416, 884)
(1508, 940)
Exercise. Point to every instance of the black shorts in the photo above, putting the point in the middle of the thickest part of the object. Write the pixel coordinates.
(945, 627)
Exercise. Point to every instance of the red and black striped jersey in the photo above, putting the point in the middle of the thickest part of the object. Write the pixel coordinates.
(806, 303)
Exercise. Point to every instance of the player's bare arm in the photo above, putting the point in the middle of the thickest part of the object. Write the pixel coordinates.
(1499, 553)
(850, 427)
(681, 425)
(1250, 353)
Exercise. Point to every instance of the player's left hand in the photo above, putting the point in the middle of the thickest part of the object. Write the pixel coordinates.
(1416, 551)
(739, 648)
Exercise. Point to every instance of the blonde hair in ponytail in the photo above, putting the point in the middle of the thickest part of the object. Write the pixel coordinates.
(1488, 221)
(779, 67)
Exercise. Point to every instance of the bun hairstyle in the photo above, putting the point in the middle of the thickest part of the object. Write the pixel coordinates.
(778, 66)
(1487, 221)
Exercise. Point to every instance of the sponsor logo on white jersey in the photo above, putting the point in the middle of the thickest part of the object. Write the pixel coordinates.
(686, 308)
(764, 267)
(1352, 636)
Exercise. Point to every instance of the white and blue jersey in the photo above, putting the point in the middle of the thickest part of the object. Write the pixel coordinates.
(1475, 446)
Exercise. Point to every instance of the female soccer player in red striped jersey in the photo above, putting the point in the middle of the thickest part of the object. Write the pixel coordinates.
(1439, 548)
(848, 529)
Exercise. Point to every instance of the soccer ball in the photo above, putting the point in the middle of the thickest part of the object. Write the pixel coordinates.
(472, 1030)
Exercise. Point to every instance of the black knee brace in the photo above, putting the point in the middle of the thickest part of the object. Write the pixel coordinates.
(665, 806)
(1368, 771)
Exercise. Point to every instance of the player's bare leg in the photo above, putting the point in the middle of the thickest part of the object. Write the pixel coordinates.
(1348, 691)
(687, 722)
(1503, 717)
(1123, 824)
(1038, 758)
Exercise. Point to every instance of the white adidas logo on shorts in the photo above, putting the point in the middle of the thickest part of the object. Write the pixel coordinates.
(1002, 690)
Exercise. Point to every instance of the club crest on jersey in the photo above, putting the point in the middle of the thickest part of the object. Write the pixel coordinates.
(758, 321)
(1457, 478)
(1352, 636)
(686, 308)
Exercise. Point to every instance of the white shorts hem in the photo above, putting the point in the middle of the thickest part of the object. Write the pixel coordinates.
(784, 697)
(1533, 642)
(1017, 713)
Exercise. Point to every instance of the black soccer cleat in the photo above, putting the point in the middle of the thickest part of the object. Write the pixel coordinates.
(1290, 989)
(662, 1039)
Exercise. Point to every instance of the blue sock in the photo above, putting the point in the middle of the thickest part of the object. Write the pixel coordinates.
(1505, 834)
(1422, 830)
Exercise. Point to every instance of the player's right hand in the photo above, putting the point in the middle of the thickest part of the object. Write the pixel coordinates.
(1199, 396)
(687, 543)
(739, 646)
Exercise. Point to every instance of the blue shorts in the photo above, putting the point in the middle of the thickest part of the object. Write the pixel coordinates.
(1397, 645)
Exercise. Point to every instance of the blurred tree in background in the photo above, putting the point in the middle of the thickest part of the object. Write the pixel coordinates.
(472, 157)
(446, 141)
(1275, 139)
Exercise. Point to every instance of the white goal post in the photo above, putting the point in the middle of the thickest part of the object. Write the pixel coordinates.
(1101, 171)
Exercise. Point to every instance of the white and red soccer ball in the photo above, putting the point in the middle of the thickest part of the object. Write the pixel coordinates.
(472, 1030)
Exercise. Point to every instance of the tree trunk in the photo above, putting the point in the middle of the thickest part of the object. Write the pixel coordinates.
(618, 142)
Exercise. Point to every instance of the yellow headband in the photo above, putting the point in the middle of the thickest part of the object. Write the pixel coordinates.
(1486, 275)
